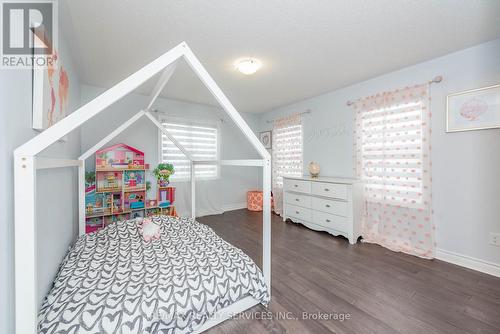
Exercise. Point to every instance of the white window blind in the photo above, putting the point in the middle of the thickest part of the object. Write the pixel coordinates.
(392, 154)
(199, 140)
(287, 152)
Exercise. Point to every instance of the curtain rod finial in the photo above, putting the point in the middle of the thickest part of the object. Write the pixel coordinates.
(437, 79)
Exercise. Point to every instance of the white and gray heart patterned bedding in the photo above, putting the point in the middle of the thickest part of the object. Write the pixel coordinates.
(112, 281)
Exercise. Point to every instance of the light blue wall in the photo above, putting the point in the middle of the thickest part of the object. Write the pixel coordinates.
(465, 165)
(57, 215)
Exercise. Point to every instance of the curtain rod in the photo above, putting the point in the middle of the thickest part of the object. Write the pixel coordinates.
(308, 111)
(157, 111)
(437, 79)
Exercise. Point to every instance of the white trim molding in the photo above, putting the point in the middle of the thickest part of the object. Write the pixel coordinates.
(223, 208)
(234, 206)
(468, 262)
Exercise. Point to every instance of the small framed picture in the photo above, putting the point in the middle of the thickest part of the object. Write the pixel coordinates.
(50, 91)
(266, 139)
(474, 109)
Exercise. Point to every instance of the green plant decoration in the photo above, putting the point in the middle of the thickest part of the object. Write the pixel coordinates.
(90, 177)
(163, 171)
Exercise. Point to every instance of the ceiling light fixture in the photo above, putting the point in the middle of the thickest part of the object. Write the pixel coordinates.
(248, 66)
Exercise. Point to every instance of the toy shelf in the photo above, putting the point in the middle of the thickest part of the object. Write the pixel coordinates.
(96, 222)
(94, 215)
(102, 191)
(129, 190)
(126, 211)
(119, 169)
(118, 191)
(149, 208)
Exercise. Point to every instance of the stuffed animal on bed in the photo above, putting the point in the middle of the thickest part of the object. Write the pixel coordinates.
(149, 230)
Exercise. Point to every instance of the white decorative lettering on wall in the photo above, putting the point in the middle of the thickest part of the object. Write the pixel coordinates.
(326, 133)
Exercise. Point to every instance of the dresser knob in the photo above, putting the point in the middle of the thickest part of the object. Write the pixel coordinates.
(298, 200)
(326, 189)
(328, 220)
(328, 205)
(296, 212)
(295, 185)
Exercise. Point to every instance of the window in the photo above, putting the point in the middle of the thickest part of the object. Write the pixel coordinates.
(287, 157)
(202, 141)
(391, 154)
(392, 144)
(287, 154)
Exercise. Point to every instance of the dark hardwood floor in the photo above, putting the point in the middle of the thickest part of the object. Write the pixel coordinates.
(381, 291)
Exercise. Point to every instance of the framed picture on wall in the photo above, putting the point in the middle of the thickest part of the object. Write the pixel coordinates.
(50, 93)
(474, 109)
(50, 96)
(266, 139)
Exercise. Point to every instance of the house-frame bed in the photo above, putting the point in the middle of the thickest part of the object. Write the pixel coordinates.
(26, 164)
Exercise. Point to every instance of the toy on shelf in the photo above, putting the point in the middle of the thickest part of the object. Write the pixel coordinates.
(148, 188)
(99, 204)
(153, 212)
(119, 156)
(162, 173)
(107, 203)
(89, 209)
(137, 214)
(89, 193)
(89, 180)
(115, 218)
(166, 196)
(93, 224)
(117, 203)
(134, 200)
(109, 181)
(134, 179)
(169, 211)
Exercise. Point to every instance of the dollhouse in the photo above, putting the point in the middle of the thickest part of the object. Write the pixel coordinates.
(119, 192)
(119, 156)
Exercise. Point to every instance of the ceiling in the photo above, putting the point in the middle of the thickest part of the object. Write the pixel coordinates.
(307, 47)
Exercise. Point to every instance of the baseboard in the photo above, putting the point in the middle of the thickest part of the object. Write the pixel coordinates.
(224, 208)
(203, 213)
(468, 262)
(234, 206)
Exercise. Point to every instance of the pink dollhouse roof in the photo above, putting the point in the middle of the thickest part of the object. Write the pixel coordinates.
(120, 145)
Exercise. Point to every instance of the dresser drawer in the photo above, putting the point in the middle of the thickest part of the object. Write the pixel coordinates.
(330, 206)
(297, 185)
(298, 212)
(298, 199)
(333, 190)
(335, 222)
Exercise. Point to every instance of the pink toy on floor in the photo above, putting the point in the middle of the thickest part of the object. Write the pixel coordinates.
(149, 230)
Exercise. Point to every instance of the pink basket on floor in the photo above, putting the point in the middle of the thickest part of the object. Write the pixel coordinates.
(254, 200)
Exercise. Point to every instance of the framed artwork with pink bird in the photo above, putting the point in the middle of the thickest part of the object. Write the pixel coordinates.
(50, 94)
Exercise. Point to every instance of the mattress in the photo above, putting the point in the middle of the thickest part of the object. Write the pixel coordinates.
(112, 281)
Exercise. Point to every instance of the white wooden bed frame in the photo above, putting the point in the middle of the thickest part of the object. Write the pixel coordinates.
(26, 164)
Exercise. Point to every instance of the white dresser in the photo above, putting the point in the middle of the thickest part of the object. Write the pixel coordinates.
(326, 204)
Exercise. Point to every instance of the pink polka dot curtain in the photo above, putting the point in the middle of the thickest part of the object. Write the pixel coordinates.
(286, 154)
(392, 145)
